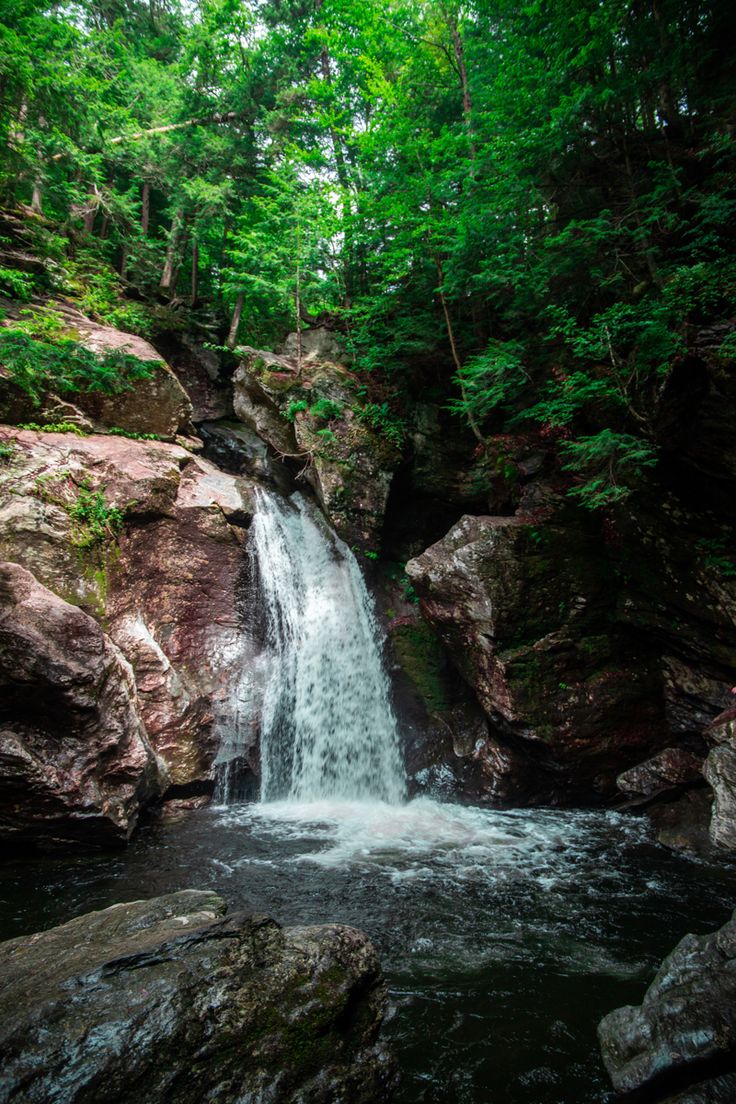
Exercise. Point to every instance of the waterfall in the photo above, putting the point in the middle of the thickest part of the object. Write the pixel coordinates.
(327, 726)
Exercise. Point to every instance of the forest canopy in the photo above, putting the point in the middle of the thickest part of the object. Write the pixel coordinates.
(524, 209)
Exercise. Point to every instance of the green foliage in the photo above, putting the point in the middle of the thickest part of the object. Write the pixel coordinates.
(42, 323)
(95, 525)
(65, 366)
(17, 284)
(99, 294)
(611, 465)
(325, 409)
(296, 406)
(526, 210)
(116, 431)
(381, 418)
(7, 451)
(494, 378)
(54, 427)
(718, 552)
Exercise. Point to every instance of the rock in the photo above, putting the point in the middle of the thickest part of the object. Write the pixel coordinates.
(173, 1001)
(168, 587)
(449, 750)
(235, 447)
(156, 405)
(317, 343)
(202, 374)
(717, 1090)
(720, 771)
(75, 761)
(684, 1031)
(669, 769)
(682, 824)
(348, 462)
(675, 588)
(524, 607)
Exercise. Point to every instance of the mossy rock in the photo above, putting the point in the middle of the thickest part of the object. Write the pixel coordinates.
(423, 658)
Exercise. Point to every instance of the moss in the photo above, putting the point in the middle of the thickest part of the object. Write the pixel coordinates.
(423, 658)
(278, 381)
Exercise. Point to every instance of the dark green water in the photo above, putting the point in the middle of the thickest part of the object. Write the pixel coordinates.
(505, 936)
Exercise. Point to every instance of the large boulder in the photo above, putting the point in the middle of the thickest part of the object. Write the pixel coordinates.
(75, 761)
(158, 404)
(172, 1001)
(314, 415)
(166, 581)
(524, 606)
(684, 1032)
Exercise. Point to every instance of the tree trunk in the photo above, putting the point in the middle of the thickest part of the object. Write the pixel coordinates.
(459, 53)
(195, 270)
(232, 336)
(172, 249)
(36, 204)
(343, 177)
(453, 346)
(90, 211)
(145, 207)
(298, 313)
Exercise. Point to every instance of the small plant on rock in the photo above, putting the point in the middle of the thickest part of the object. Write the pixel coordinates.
(95, 525)
(325, 409)
(54, 427)
(296, 406)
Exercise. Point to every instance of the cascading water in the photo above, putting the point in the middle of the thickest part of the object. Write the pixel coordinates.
(327, 727)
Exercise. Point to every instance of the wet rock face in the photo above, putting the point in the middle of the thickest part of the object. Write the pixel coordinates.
(75, 762)
(676, 587)
(684, 1032)
(173, 999)
(524, 606)
(168, 587)
(668, 770)
(310, 418)
(720, 771)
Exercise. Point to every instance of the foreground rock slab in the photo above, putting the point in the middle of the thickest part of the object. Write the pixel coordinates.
(171, 1000)
(680, 1043)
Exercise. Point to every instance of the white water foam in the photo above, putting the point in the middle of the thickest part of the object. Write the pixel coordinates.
(327, 727)
(427, 840)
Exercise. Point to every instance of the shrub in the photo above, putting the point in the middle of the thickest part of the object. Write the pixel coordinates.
(65, 366)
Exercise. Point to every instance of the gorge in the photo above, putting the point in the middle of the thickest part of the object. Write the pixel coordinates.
(367, 573)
